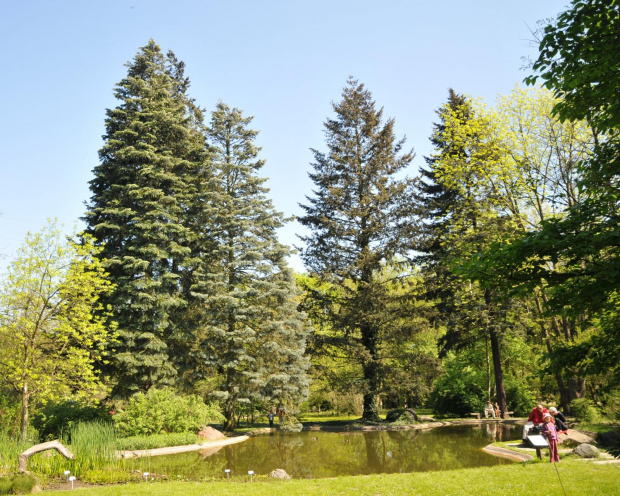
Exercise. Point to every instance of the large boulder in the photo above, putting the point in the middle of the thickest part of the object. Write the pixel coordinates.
(207, 433)
(279, 473)
(586, 451)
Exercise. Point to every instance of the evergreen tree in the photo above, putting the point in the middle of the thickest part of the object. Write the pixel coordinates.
(255, 336)
(360, 219)
(142, 190)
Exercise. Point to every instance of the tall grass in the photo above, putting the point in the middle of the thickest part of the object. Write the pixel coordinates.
(94, 447)
(10, 449)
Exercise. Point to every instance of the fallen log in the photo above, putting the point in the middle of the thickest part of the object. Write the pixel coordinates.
(37, 448)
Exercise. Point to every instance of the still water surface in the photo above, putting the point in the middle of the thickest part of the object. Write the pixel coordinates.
(318, 454)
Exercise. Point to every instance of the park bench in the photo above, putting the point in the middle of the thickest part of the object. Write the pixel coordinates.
(475, 415)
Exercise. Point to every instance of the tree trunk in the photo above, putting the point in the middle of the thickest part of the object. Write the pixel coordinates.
(497, 358)
(497, 369)
(23, 430)
(371, 374)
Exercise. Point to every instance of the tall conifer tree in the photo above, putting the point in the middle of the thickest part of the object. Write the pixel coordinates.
(255, 336)
(360, 219)
(141, 192)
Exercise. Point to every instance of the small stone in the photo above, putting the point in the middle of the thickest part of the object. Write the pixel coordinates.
(279, 473)
(586, 451)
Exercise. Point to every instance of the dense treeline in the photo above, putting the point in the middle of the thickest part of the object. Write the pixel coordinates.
(491, 273)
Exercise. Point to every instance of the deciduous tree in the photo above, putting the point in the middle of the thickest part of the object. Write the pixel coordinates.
(53, 326)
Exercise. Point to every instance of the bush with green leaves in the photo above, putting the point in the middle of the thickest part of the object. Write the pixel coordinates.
(57, 419)
(519, 397)
(584, 409)
(457, 393)
(162, 410)
(17, 484)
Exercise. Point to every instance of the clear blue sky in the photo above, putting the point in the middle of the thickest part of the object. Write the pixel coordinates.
(282, 62)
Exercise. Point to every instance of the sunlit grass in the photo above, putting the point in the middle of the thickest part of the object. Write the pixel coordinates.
(576, 476)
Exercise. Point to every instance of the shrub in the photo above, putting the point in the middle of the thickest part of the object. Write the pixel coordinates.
(519, 397)
(161, 410)
(401, 416)
(584, 409)
(17, 484)
(59, 418)
(457, 393)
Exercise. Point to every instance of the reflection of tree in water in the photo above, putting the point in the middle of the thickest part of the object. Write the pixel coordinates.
(327, 454)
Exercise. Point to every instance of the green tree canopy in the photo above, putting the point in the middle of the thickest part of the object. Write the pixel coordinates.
(53, 326)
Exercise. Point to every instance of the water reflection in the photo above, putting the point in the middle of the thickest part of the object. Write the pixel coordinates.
(329, 454)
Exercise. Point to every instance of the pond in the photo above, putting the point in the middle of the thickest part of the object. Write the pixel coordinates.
(316, 454)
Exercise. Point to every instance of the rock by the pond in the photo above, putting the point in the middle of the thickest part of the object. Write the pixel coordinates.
(279, 473)
(210, 434)
(586, 451)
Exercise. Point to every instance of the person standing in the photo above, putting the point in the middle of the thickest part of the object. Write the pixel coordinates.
(270, 417)
(550, 432)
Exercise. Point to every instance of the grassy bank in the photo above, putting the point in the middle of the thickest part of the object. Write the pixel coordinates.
(578, 477)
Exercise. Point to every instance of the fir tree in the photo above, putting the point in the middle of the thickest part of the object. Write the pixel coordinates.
(141, 192)
(360, 219)
(255, 337)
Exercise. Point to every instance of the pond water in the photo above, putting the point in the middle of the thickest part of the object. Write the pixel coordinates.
(316, 454)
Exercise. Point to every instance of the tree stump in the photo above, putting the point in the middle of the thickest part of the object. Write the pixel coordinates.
(37, 448)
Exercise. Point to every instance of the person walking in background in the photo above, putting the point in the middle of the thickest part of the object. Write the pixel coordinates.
(270, 417)
(550, 432)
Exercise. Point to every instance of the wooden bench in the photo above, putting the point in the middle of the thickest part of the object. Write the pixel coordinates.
(507, 414)
(475, 415)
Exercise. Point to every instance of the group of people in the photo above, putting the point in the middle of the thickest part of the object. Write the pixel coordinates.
(279, 412)
(549, 423)
(492, 410)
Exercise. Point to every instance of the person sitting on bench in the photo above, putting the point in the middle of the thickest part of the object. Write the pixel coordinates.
(489, 409)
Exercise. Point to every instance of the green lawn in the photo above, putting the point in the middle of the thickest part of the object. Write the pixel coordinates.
(578, 477)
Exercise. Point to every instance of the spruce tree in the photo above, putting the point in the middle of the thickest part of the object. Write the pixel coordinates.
(360, 219)
(142, 190)
(254, 335)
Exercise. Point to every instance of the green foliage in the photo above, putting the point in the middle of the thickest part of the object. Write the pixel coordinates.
(154, 441)
(584, 409)
(578, 50)
(57, 418)
(458, 393)
(400, 416)
(519, 397)
(360, 220)
(142, 197)
(253, 334)
(161, 410)
(17, 484)
(53, 326)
